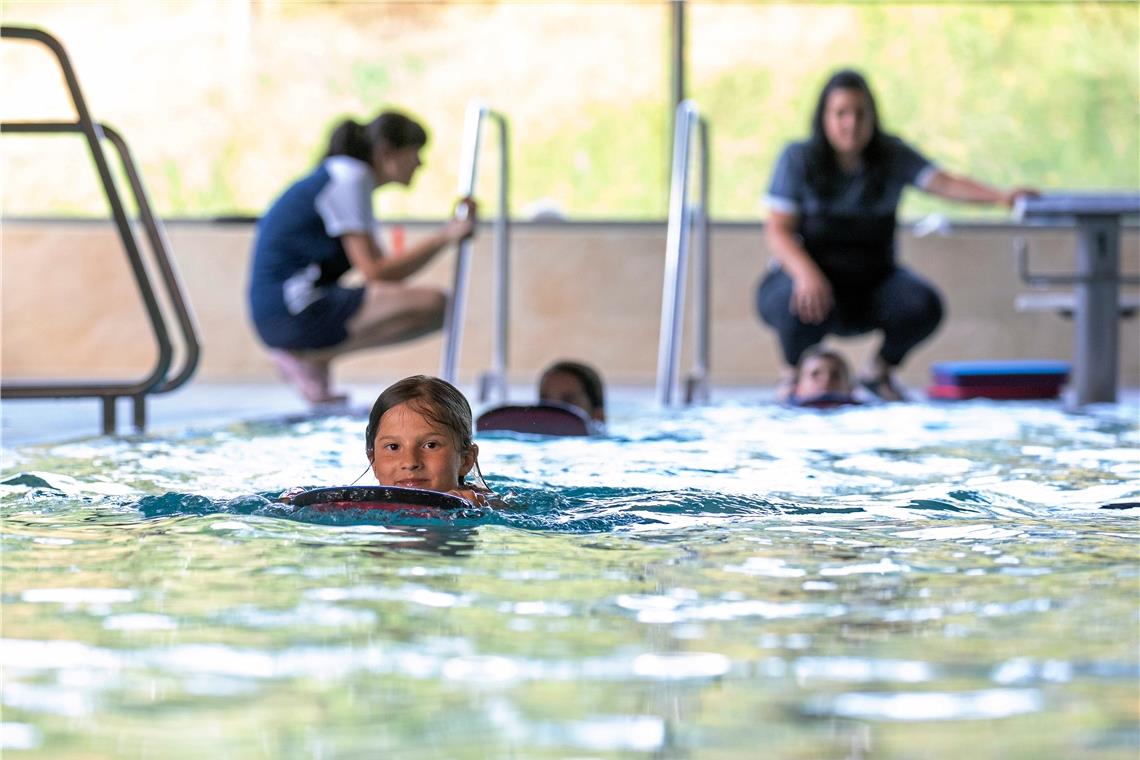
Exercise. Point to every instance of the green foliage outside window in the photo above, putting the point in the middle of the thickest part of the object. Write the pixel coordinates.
(225, 104)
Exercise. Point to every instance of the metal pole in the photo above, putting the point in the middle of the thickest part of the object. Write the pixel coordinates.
(453, 321)
(676, 246)
(677, 64)
(1097, 331)
(495, 382)
(702, 297)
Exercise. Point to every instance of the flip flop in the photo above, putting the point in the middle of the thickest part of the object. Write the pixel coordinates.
(882, 388)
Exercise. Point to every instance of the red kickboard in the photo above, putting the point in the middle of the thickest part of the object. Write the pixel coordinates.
(411, 501)
(538, 419)
(1004, 392)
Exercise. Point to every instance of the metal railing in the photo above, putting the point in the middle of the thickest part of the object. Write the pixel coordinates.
(493, 382)
(682, 227)
(160, 379)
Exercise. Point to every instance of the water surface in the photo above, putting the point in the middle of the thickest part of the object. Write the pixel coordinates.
(911, 581)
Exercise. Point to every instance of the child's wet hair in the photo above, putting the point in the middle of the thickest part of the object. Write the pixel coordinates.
(437, 400)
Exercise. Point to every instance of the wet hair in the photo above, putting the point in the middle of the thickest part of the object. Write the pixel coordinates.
(586, 375)
(822, 166)
(819, 352)
(437, 400)
(392, 128)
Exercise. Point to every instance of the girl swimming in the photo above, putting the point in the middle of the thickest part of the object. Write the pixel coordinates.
(419, 435)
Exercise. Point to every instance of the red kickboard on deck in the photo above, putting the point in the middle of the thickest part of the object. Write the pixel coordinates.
(1004, 392)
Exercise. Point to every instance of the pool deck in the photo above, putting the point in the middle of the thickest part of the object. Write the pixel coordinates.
(206, 405)
(26, 422)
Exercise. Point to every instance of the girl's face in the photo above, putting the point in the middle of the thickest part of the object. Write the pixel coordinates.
(411, 451)
(565, 388)
(820, 375)
(847, 121)
(397, 164)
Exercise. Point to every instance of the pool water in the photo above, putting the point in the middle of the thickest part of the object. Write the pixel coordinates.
(735, 581)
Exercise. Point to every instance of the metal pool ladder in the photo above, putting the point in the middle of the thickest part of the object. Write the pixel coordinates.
(164, 377)
(682, 227)
(493, 382)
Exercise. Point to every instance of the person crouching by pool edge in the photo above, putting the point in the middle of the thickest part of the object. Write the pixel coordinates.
(321, 227)
(574, 383)
(833, 203)
(419, 435)
(822, 378)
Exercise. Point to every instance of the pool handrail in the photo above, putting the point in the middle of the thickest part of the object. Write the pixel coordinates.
(688, 122)
(493, 382)
(159, 379)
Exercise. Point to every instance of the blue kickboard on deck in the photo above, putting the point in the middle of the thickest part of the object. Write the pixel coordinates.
(1030, 370)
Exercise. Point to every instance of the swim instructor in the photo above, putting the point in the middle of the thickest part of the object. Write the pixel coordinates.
(321, 227)
(831, 230)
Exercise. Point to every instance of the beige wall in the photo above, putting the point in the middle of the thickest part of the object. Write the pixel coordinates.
(589, 291)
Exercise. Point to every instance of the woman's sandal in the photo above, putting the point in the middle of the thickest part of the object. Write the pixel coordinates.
(882, 388)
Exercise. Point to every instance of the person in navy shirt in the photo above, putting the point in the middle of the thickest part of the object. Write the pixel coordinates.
(831, 232)
(321, 227)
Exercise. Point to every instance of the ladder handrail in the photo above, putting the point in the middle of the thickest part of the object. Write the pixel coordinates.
(494, 381)
(156, 237)
(158, 380)
(688, 121)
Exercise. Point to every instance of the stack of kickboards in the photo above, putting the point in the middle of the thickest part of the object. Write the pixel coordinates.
(1012, 379)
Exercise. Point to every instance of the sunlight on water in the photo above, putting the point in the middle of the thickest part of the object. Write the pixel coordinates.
(904, 581)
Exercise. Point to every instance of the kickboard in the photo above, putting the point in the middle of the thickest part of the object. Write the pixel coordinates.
(536, 419)
(1009, 391)
(992, 374)
(414, 501)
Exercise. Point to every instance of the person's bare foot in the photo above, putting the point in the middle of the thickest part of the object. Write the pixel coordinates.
(309, 376)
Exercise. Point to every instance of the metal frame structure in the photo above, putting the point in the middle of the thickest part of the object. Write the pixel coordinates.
(160, 379)
(493, 382)
(682, 227)
(1097, 282)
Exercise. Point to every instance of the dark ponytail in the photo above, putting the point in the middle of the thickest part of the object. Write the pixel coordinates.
(358, 141)
(348, 139)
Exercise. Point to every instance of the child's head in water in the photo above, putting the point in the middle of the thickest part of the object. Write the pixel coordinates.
(419, 435)
(821, 372)
(576, 384)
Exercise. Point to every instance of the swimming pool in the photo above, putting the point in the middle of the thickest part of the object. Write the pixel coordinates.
(739, 580)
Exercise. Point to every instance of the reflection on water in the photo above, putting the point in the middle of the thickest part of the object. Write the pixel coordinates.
(736, 581)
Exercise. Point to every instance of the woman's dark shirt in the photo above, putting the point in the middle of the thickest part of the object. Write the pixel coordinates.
(849, 227)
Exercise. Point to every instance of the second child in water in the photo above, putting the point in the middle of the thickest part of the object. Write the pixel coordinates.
(419, 435)
(822, 378)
